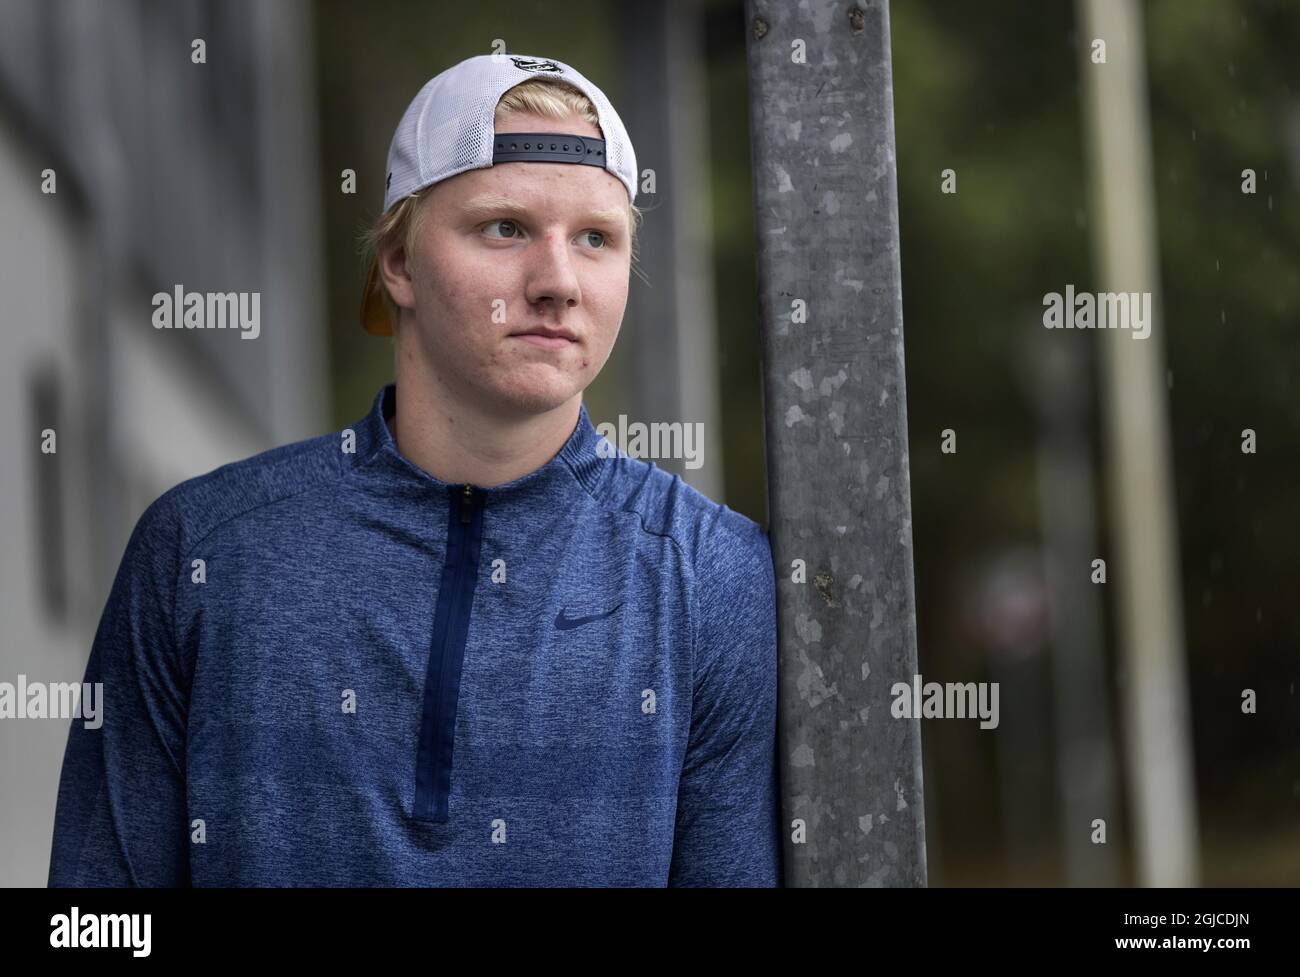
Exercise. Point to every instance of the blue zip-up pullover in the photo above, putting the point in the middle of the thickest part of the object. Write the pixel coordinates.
(323, 666)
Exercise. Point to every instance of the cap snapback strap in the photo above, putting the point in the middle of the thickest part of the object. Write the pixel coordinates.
(547, 147)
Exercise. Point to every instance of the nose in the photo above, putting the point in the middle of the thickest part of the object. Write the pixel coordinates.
(550, 272)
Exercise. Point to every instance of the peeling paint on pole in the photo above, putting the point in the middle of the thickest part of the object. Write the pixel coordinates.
(830, 301)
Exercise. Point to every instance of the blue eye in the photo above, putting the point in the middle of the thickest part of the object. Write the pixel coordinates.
(509, 222)
(515, 232)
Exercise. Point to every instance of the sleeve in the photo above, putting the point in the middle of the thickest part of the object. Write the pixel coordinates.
(120, 818)
(727, 803)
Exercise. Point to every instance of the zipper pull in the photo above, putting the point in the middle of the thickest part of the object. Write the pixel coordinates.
(467, 504)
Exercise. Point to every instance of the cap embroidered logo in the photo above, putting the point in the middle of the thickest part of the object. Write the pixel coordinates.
(523, 64)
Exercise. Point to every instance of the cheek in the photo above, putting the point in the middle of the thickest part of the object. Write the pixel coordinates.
(459, 297)
(611, 303)
(442, 286)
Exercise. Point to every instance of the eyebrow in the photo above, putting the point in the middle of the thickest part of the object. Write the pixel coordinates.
(490, 206)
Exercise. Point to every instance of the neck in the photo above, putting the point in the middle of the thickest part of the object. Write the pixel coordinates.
(456, 441)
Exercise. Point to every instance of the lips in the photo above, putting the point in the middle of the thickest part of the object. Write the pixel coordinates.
(547, 337)
(549, 332)
(544, 341)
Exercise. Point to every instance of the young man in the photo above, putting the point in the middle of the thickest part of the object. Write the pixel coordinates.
(462, 642)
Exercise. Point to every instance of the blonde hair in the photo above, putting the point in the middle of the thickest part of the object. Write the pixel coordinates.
(547, 98)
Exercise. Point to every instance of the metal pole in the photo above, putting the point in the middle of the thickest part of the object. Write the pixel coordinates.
(825, 197)
(1145, 568)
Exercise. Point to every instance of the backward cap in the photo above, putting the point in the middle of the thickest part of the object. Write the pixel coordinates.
(449, 126)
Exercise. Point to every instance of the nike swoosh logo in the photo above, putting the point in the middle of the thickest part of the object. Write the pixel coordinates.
(563, 623)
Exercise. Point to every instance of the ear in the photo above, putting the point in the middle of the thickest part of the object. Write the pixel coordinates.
(396, 276)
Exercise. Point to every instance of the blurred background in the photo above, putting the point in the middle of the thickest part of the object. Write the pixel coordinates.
(231, 175)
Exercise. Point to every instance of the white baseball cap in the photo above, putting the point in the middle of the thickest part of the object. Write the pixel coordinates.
(449, 128)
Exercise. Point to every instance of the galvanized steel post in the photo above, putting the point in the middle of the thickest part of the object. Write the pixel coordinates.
(830, 300)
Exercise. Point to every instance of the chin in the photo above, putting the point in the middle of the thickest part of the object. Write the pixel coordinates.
(531, 396)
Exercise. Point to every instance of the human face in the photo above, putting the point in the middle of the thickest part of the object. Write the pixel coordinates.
(507, 250)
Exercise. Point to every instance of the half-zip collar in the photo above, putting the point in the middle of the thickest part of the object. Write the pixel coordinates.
(379, 463)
